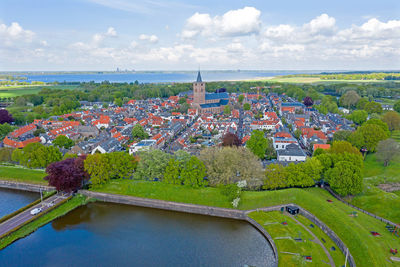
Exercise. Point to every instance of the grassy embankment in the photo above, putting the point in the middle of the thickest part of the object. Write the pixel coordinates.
(374, 199)
(33, 225)
(354, 231)
(21, 174)
(284, 238)
(13, 91)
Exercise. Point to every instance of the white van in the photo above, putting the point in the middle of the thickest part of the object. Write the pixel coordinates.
(36, 211)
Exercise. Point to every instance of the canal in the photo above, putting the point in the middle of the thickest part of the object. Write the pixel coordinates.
(12, 200)
(104, 234)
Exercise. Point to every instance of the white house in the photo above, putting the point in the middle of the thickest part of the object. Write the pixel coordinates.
(142, 146)
(292, 152)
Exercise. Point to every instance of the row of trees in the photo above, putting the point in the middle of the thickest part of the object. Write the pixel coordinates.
(340, 166)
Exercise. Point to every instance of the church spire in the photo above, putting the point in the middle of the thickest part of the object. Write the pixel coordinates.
(199, 77)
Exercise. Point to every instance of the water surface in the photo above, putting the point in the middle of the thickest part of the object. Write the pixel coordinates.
(102, 234)
(12, 200)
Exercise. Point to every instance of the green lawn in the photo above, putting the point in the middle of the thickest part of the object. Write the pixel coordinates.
(20, 174)
(373, 199)
(375, 173)
(396, 135)
(204, 196)
(30, 89)
(272, 222)
(354, 231)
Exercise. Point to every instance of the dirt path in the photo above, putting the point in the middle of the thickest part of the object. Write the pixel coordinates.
(316, 240)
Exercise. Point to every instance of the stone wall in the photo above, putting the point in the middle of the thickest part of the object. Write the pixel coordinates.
(25, 186)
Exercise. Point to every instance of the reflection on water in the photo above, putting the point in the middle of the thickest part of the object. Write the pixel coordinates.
(12, 200)
(101, 234)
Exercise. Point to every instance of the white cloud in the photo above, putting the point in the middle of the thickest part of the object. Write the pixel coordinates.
(151, 38)
(9, 35)
(321, 24)
(237, 22)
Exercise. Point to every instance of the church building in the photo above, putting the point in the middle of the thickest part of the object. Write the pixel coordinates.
(208, 102)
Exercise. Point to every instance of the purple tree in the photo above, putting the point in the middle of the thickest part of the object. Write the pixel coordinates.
(307, 101)
(5, 117)
(67, 175)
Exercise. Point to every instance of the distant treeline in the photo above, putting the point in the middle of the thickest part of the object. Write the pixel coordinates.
(352, 76)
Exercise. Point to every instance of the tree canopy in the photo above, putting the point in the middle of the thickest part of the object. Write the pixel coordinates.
(63, 141)
(67, 175)
(257, 143)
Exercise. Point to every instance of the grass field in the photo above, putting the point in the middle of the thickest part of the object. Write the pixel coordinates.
(272, 222)
(354, 231)
(396, 136)
(30, 89)
(373, 199)
(25, 230)
(20, 174)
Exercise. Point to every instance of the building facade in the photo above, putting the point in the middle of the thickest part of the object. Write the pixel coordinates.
(208, 102)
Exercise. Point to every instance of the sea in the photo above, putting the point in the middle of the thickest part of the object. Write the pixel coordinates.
(157, 77)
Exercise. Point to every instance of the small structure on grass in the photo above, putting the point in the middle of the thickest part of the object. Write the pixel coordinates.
(292, 209)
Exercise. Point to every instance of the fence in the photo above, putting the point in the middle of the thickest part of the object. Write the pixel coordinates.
(357, 208)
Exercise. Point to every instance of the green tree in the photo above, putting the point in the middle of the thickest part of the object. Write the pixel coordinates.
(361, 103)
(387, 150)
(99, 168)
(138, 133)
(343, 146)
(358, 116)
(152, 165)
(297, 133)
(228, 165)
(69, 155)
(63, 141)
(241, 98)
(341, 135)
(312, 168)
(396, 106)
(122, 165)
(297, 176)
(380, 123)
(182, 100)
(349, 99)
(194, 172)
(392, 119)
(172, 172)
(6, 154)
(372, 134)
(373, 107)
(5, 129)
(345, 178)
(227, 110)
(257, 143)
(246, 106)
(275, 177)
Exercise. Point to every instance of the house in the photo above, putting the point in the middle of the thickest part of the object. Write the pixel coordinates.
(107, 146)
(292, 152)
(282, 139)
(87, 131)
(143, 145)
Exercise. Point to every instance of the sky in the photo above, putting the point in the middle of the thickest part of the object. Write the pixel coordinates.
(48, 35)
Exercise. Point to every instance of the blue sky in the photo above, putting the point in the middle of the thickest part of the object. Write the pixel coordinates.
(180, 35)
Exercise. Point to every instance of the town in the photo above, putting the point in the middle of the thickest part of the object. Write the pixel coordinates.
(295, 130)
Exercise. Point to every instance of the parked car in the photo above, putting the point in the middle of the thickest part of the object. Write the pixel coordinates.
(36, 211)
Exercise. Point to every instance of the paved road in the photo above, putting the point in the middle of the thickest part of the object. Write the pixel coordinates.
(24, 216)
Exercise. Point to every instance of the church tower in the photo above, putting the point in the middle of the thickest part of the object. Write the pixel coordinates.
(199, 90)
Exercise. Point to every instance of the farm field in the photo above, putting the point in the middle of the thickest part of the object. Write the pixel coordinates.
(13, 91)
